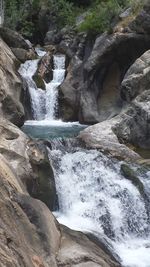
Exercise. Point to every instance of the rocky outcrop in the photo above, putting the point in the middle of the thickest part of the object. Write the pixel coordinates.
(13, 39)
(45, 70)
(22, 55)
(20, 47)
(11, 87)
(101, 136)
(141, 24)
(69, 92)
(110, 58)
(134, 124)
(137, 78)
(91, 90)
(29, 161)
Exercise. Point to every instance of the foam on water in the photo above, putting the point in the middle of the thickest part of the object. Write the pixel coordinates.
(51, 123)
(94, 196)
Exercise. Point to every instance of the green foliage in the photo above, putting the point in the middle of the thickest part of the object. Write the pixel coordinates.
(23, 15)
(100, 16)
(65, 12)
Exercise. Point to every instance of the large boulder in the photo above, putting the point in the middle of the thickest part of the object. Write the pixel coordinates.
(134, 124)
(69, 93)
(137, 78)
(101, 136)
(22, 54)
(13, 38)
(44, 70)
(11, 87)
(29, 162)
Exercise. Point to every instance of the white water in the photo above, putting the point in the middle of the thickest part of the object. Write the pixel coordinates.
(95, 197)
(44, 103)
(51, 88)
(27, 70)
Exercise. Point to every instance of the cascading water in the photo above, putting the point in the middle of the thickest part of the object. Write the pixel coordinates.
(44, 103)
(51, 88)
(95, 197)
(27, 70)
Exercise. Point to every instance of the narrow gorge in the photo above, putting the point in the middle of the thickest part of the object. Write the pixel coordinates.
(75, 141)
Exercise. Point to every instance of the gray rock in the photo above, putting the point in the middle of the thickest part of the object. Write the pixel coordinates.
(126, 13)
(22, 55)
(13, 39)
(102, 136)
(69, 92)
(52, 37)
(134, 126)
(141, 24)
(44, 70)
(29, 162)
(137, 78)
(11, 87)
(103, 71)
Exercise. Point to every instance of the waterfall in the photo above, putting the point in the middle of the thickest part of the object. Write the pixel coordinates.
(44, 102)
(95, 197)
(51, 88)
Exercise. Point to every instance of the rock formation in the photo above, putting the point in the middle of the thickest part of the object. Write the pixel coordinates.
(11, 87)
(30, 235)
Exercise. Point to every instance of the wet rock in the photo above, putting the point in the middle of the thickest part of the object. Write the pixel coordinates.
(69, 92)
(131, 175)
(44, 70)
(11, 87)
(39, 81)
(77, 250)
(37, 239)
(43, 184)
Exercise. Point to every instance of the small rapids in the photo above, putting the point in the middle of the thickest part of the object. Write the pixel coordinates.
(95, 197)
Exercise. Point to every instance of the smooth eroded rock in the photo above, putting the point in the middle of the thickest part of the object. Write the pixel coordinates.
(11, 87)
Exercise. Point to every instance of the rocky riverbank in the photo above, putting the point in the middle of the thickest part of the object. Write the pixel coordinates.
(107, 82)
(30, 235)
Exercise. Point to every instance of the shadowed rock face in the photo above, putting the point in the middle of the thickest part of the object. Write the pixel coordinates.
(29, 161)
(13, 39)
(10, 87)
(103, 72)
(137, 78)
(134, 126)
(91, 90)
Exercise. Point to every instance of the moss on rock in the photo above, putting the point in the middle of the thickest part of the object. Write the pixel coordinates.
(39, 81)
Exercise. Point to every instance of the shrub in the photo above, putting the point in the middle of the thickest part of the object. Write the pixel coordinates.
(100, 17)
